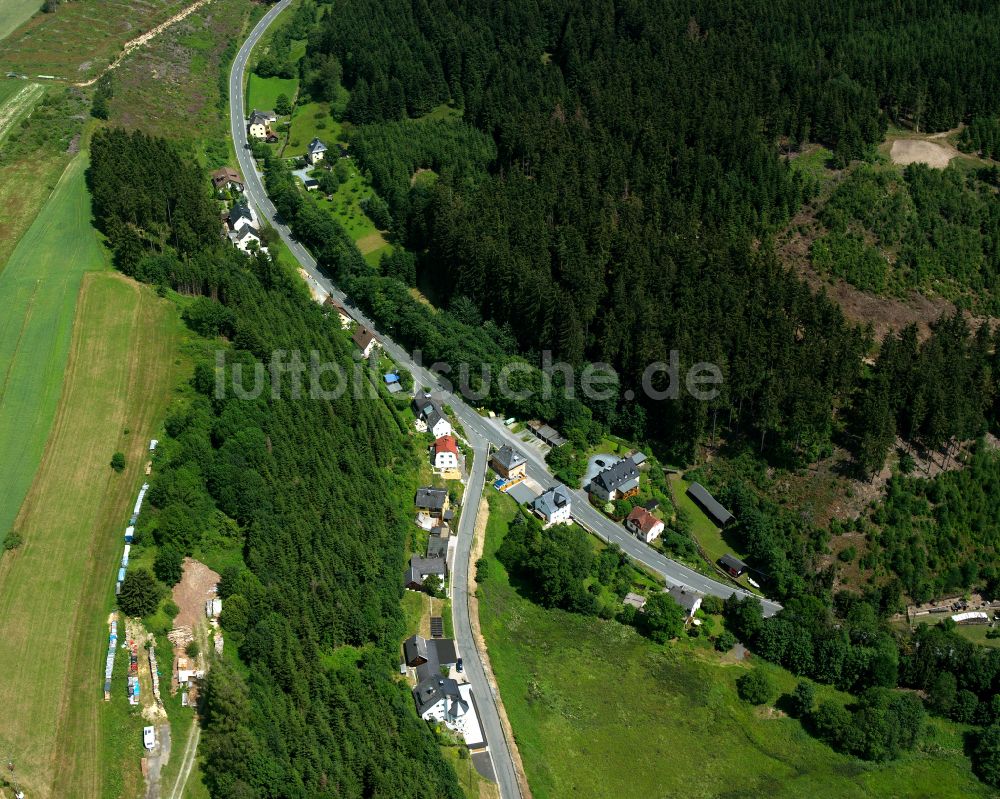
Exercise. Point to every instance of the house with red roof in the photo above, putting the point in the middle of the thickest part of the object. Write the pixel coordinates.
(643, 525)
(444, 453)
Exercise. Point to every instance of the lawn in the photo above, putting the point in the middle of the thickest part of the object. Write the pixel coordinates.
(80, 39)
(38, 292)
(599, 711)
(56, 589)
(977, 634)
(262, 93)
(705, 532)
(311, 121)
(13, 13)
(345, 207)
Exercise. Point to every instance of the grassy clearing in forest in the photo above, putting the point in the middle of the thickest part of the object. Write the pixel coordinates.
(56, 588)
(600, 711)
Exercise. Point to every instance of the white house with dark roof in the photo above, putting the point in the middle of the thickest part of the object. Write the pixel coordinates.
(621, 479)
(687, 599)
(419, 569)
(430, 416)
(240, 215)
(315, 152)
(553, 506)
(245, 239)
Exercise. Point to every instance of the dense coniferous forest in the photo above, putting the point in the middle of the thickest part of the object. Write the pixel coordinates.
(312, 491)
(638, 177)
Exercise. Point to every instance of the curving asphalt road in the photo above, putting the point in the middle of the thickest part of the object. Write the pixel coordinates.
(478, 429)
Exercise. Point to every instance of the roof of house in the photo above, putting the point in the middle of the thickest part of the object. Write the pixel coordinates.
(240, 211)
(334, 304)
(446, 444)
(414, 649)
(685, 597)
(638, 457)
(437, 546)
(434, 417)
(245, 232)
(226, 175)
(261, 117)
(643, 519)
(363, 337)
(548, 502)
(637, 601)
(423, 404)
(391, 377)
(436, 652)
(732, 562)
(429, 497)
(508, 457)
(428, 692)
(316, 146)
(710, 504)
(424, 566)
(617, 475)
(651, 504)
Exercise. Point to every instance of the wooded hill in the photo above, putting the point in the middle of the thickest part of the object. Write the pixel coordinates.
(312, 492)
(638, 177)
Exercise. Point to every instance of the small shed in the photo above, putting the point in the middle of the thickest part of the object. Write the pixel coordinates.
(733, 565)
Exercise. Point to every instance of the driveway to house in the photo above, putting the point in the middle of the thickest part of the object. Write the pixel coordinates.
(491, 430)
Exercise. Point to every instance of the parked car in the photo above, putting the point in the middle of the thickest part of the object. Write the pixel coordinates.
(149, 737)
(458, 666)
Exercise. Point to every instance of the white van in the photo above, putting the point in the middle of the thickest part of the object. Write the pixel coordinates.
(149, 737)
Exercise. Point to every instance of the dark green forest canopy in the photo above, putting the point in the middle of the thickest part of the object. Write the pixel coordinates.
(637, 176)
(312, 492)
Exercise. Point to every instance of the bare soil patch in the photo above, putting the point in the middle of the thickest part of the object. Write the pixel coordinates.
(197, 585)
(370, 243)
(935, 154)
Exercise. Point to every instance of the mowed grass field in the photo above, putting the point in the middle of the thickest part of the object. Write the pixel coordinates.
(262, 93)
(81, 38)
(56, 589)
(599, 711)
(38, 292)
(14, 13)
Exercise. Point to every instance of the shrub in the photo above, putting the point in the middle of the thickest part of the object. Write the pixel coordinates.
(118, 462)
(725, 641)
(755, 687)
(140, 593)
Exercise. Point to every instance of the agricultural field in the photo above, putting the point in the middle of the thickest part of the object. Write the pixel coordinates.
(34, 152)
(262, 93)
(55, 589)
(14, 13)
(38, 291)
(17, 98)
(600, 711)
(81, 38)
(190, 62)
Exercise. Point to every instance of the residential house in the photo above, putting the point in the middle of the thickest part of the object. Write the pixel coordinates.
(432, 501)
(365, 341)
(618, 481)
(437, 542)
(241, 215)
(259, 124)
(712, 507)
(415, 651)
(508, 463)
(428, 656)
(445, 453)
(732, 565)
(315, 151)
(246, 238)
(552, 506)
(644, 525)
(687, 599)
(345, 318)
(227, 178)
(419, 569)
(439, 699)
(430, 416)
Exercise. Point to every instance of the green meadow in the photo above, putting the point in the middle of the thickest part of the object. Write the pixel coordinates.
(599, 711)
(13, 13)
(38, 291)
(262, 93)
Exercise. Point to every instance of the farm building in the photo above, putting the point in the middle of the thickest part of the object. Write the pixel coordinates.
(712, 507)
(733, 565)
